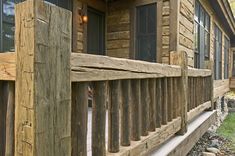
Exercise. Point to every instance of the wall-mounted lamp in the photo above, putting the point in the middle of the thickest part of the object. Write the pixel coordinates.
(83, 19)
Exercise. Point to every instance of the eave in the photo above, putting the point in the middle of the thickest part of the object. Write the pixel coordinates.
(224, 12)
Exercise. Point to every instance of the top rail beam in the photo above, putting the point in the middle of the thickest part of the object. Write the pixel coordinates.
(7, 66)
(85, 67)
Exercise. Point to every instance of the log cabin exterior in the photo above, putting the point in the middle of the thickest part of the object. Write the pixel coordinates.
(185, 48)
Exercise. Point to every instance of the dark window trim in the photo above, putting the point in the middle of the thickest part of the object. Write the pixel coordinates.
(159, 4)
(56, 2)
(217, 53)
(202, 52)
(226, 57)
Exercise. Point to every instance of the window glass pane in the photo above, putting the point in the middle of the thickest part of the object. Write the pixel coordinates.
(141, 20)
(196, 11)
(207, 45)
(207, 22)
(152, 19)
(8, 11)
(8, 37)
(201, 35)
(8, 21)
(202, 16)
(196, 36)
(146, 33)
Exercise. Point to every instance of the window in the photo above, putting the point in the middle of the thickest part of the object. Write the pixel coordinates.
(226, 58)
(217, 53)
(7, 21)
(146, 33)
(201, 35)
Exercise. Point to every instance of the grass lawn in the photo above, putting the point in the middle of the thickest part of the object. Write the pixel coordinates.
(227, 129)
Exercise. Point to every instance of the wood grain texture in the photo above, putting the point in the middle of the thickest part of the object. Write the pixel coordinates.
(3, 112)
(10, 120)
(198, 110)
(153, 140)
(144, 106)
(98, 118)
(125, 112)
(43, 87)
(164, 101)
(170, 99)
(159, 99)
(113, 125)
(7, 66)
(135, 110)
(79, 118)
(82, 65)
(152, 104)
(184, 147)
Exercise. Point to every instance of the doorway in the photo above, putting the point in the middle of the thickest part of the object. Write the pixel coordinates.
(95, 32)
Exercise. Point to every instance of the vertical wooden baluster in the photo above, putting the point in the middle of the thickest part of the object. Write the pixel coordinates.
(164, 102)
(10, 119)
(158, 103)
(203, 93)
(135, 110)
(3, 107)
(178, 98)
(208, 90)
(144, 106)
(152, 106)
(175, 103)
(189, 95)
(195, 92)
(113, 125)
(170, 99)
(192, 92)
(125, 112)
(79, 118)
(183, 89)
(209, 86)
(198, 91)
(98, 118)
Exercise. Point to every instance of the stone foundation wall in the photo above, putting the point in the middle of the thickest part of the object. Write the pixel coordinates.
(222, 112)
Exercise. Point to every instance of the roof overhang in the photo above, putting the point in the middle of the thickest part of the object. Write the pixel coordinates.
(225, 15)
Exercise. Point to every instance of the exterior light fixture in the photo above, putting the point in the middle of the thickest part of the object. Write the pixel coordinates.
(83, 19)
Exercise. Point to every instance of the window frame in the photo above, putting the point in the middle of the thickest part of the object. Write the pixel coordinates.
(226, 57)
(218, 37)
(158, 28)
(202, 21)
(2, 49)
(139, 34)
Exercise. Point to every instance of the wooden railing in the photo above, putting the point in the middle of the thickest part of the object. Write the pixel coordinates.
(147, 98)
(146, 103)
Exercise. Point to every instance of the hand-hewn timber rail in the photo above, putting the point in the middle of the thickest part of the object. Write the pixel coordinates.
(105, 68)
(99, 69)
(152, 101)
(165, 105)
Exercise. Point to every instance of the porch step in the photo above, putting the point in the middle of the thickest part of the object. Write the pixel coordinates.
(181, 145)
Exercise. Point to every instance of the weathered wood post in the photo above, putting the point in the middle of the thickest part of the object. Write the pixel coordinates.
(10, 115)
(43, 87)
(3, 110)
(125, 112)
(79, 118)
(99, 118)
(210, 65)
(180, 58)
(113, 122)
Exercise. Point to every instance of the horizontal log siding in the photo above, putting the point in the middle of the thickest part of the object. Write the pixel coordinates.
(186, 29)
(165, 31)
